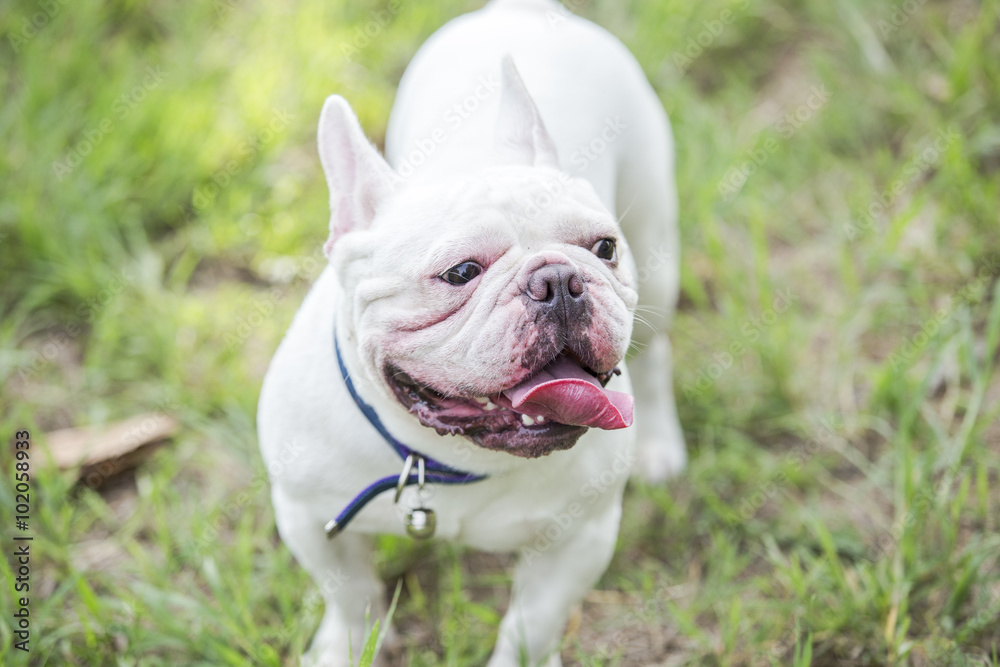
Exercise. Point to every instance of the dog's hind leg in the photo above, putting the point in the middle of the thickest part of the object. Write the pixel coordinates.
(660, 450)
(647, 203)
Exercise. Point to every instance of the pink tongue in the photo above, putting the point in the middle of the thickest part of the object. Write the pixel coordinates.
(566, 393)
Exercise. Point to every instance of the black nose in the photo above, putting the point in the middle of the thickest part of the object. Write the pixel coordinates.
(557, 285)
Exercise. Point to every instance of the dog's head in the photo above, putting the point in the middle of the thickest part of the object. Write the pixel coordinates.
(494, 305)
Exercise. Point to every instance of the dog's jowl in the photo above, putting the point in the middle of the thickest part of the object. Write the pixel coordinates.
(458, 370)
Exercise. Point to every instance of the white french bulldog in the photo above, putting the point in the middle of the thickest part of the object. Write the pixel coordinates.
(465, 345)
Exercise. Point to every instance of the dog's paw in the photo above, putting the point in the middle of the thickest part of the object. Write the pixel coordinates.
(327, 653)
(326, 658)
(334, 658)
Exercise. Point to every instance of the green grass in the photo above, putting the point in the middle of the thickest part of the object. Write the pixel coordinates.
(842, 502)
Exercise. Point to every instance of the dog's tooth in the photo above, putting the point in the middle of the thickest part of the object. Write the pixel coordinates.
(482, 400)
(490, 405)
(527, 421)
(539, 419)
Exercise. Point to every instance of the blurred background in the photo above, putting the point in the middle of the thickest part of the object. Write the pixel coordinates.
(162, 209)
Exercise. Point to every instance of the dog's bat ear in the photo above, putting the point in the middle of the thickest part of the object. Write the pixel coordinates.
(521, 137)
(358, 177)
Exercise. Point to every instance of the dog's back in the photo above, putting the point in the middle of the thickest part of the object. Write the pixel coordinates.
(585, 83)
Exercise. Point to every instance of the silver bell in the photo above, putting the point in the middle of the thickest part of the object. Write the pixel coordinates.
(420, 523)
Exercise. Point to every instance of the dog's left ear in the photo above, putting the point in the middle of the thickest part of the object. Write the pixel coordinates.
(521, 137)
(358, 177)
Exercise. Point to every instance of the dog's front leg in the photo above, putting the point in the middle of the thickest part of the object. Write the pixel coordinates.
(548, 583)
(342, 570)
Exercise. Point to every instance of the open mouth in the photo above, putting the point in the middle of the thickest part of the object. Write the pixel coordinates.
(549, 410)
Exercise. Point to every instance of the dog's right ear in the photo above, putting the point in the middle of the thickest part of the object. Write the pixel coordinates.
(358, 177)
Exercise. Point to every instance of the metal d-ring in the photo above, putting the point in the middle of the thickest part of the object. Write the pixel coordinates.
(404, 477)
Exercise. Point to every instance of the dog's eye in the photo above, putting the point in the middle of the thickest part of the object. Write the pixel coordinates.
(462, 273)
(605, 249)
